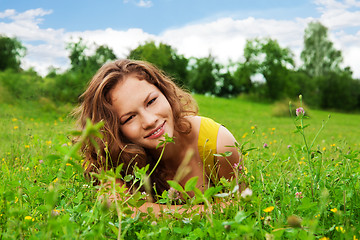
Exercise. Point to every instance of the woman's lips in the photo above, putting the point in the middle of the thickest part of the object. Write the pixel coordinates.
(157, 132)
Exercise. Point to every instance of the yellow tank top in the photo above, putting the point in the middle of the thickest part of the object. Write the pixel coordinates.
(207, 141)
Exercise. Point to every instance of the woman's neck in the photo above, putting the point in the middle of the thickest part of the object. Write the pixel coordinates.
(173, 153)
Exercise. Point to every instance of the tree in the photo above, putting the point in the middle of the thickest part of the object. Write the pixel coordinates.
(68, 86)
(11, 52)
(77, 55)
(80, 62)
(339, 91)
(242, 76)
(165, 58)
(204, 75)
(319, 55)
(265, 56)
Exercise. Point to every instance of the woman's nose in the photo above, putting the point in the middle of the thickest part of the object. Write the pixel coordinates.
(149, 120)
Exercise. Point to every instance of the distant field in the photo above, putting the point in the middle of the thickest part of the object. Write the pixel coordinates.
(240, 115)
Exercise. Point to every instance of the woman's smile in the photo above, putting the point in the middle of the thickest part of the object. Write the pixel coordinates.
(158, 132)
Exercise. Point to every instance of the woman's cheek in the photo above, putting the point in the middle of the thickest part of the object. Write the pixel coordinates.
(129, 132)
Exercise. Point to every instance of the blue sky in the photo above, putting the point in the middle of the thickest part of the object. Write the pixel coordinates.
(194, 27)
(155, 16)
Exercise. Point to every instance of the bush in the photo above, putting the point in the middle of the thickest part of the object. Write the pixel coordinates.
(26, 85)
(282, 108)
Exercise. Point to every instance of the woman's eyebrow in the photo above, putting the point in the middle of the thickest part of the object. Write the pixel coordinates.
(148, 97)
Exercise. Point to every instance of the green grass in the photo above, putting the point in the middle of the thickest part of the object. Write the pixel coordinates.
(240, 115)
(44, 195)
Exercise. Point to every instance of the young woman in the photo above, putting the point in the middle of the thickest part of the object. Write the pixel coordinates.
(139, 105)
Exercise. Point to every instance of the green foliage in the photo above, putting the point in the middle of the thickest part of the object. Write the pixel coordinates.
(11, 52)
(339, 91)
(321, 80)
(25, 85)
(204, 75)
(165, 58)
(265, 56)
(67, 87)
(319, 55)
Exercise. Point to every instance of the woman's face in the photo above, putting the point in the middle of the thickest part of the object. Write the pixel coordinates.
(144, 112)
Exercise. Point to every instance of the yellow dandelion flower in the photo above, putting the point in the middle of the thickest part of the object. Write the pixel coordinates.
(48, 143)
(69, 143)
(55, 180)
(324, 148)
(16, 127)
(273, 129)
(252, 127)
(334, 210)
(68, 164)
(340, 229)
(263, 134)
(275, 141)
(29, 218)
(354, 238)
(245, 134)
(16, 199)
(303, 158)
(14, 119)
(324, 238)
(27, 146)
(333, 145)
(316, 216)
(268, 209)
(273, 154)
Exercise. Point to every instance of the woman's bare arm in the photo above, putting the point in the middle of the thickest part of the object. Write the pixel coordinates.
(226, 165)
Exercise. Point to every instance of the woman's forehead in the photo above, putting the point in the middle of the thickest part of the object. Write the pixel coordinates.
(131, 88)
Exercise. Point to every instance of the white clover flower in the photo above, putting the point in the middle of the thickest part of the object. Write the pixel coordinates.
(246, 194)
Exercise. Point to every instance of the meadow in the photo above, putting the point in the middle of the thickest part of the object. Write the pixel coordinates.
(300, 188)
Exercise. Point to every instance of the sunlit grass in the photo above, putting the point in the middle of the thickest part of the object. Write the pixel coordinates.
(34, 141)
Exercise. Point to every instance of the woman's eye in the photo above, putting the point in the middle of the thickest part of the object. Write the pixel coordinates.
(128, 119)
(151, 101)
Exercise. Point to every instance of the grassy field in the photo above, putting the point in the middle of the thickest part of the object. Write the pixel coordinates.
(296, 192)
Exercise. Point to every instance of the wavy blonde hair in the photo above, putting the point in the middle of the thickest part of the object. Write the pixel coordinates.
(115, 149)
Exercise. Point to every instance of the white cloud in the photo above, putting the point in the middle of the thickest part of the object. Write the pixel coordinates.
(144, 3)
(141, 3)
(224, 38)
(7, 13)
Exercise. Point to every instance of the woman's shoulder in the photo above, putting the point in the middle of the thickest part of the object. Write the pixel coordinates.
(195, 122)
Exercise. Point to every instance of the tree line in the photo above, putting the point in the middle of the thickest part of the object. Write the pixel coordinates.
(321, 79)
